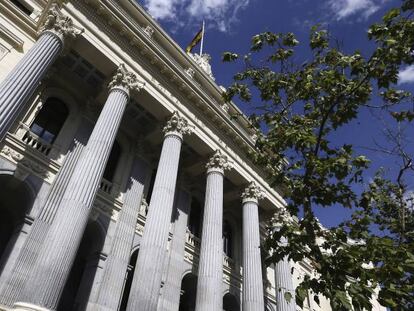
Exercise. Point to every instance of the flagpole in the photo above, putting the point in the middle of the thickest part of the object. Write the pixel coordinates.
(202, 40)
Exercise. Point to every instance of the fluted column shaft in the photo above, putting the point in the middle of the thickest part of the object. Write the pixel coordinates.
(172, 285)
(152, 252)
(14, 283)
(58, 252)
(284, 284)
(210, 270)
(22, 81)
(117, 262)
(252, 266)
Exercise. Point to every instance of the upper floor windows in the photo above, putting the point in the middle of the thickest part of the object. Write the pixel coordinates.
(50, 120)
(227, 239)
(112, 163)
(194, 222)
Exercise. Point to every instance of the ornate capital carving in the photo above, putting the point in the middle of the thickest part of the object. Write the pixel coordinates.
(177, 125)
(252, 192)
(219, 162)
(126, 80)
(59, 24)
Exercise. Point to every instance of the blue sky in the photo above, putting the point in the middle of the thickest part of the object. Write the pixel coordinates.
(230, 24)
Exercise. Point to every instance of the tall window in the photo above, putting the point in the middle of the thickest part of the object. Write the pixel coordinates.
(195, 217)
(112, 163)
(227, 239)
(50, 120)
(151, 186)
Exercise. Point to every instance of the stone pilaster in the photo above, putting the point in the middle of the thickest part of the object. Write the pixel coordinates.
(145, 288)
(252, 266)
(210, 270)
(284, 283)
(47, 280)
(117, 262)
(170, 300)
(22, 81)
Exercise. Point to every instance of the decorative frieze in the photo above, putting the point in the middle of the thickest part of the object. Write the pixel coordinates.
(190, 71)
(148, 30)
(20, 159)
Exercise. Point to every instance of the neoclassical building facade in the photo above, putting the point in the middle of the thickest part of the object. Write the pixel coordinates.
(125, 182)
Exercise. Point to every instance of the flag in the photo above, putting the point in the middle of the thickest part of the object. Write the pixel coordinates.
(195, 41)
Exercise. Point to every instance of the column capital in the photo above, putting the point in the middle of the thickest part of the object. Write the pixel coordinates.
(125, 80)
(219, 163)
(59, 24)
(252, 193)
(177, 125)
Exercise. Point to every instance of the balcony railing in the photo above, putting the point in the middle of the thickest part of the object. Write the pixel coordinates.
(228, 262)
(34, 141)
(192, 239)
(106, 186)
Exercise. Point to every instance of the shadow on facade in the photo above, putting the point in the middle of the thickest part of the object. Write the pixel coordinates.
(82, 275)
(16, 199)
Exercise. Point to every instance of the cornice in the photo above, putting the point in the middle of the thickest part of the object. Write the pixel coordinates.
(191, 89)
(137, 44)
(22, 20)
(11, 38)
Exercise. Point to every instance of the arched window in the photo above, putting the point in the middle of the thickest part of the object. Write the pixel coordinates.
(50, 120)
(227, 239)
(112, 163)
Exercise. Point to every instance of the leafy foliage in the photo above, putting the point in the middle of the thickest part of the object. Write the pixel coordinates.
(301, 109)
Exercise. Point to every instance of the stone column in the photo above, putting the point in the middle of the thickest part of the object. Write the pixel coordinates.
(284, 283)
(172, 287)
(252, 265)
(46, 282)
(22, 81)
(117, 262)
(210, 270)
(12, 284)
(150, 263)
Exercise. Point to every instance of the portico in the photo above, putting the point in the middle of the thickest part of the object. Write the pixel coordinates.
(147, 155)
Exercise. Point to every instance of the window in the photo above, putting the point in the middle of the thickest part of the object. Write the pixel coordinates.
(227, 239)
(50, 120)
(194, 222)
(151, 186)
(22, 6)
(112, 163)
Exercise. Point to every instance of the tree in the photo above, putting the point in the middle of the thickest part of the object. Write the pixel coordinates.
(300, 110)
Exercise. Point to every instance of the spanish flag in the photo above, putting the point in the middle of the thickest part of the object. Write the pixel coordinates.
(195, 41)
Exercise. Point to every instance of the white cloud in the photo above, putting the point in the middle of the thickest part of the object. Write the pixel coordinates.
(345, 8)
(406, 75)
(220, 14)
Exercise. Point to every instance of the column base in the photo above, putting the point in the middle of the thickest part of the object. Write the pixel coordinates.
(4, 308)
(24, 306)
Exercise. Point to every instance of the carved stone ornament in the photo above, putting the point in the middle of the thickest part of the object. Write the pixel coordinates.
(252, 192)
(190, 71)
(126, 80)
(149, 31)
(219, 162)
(204, 62)
(59, 24)
(177, 125)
